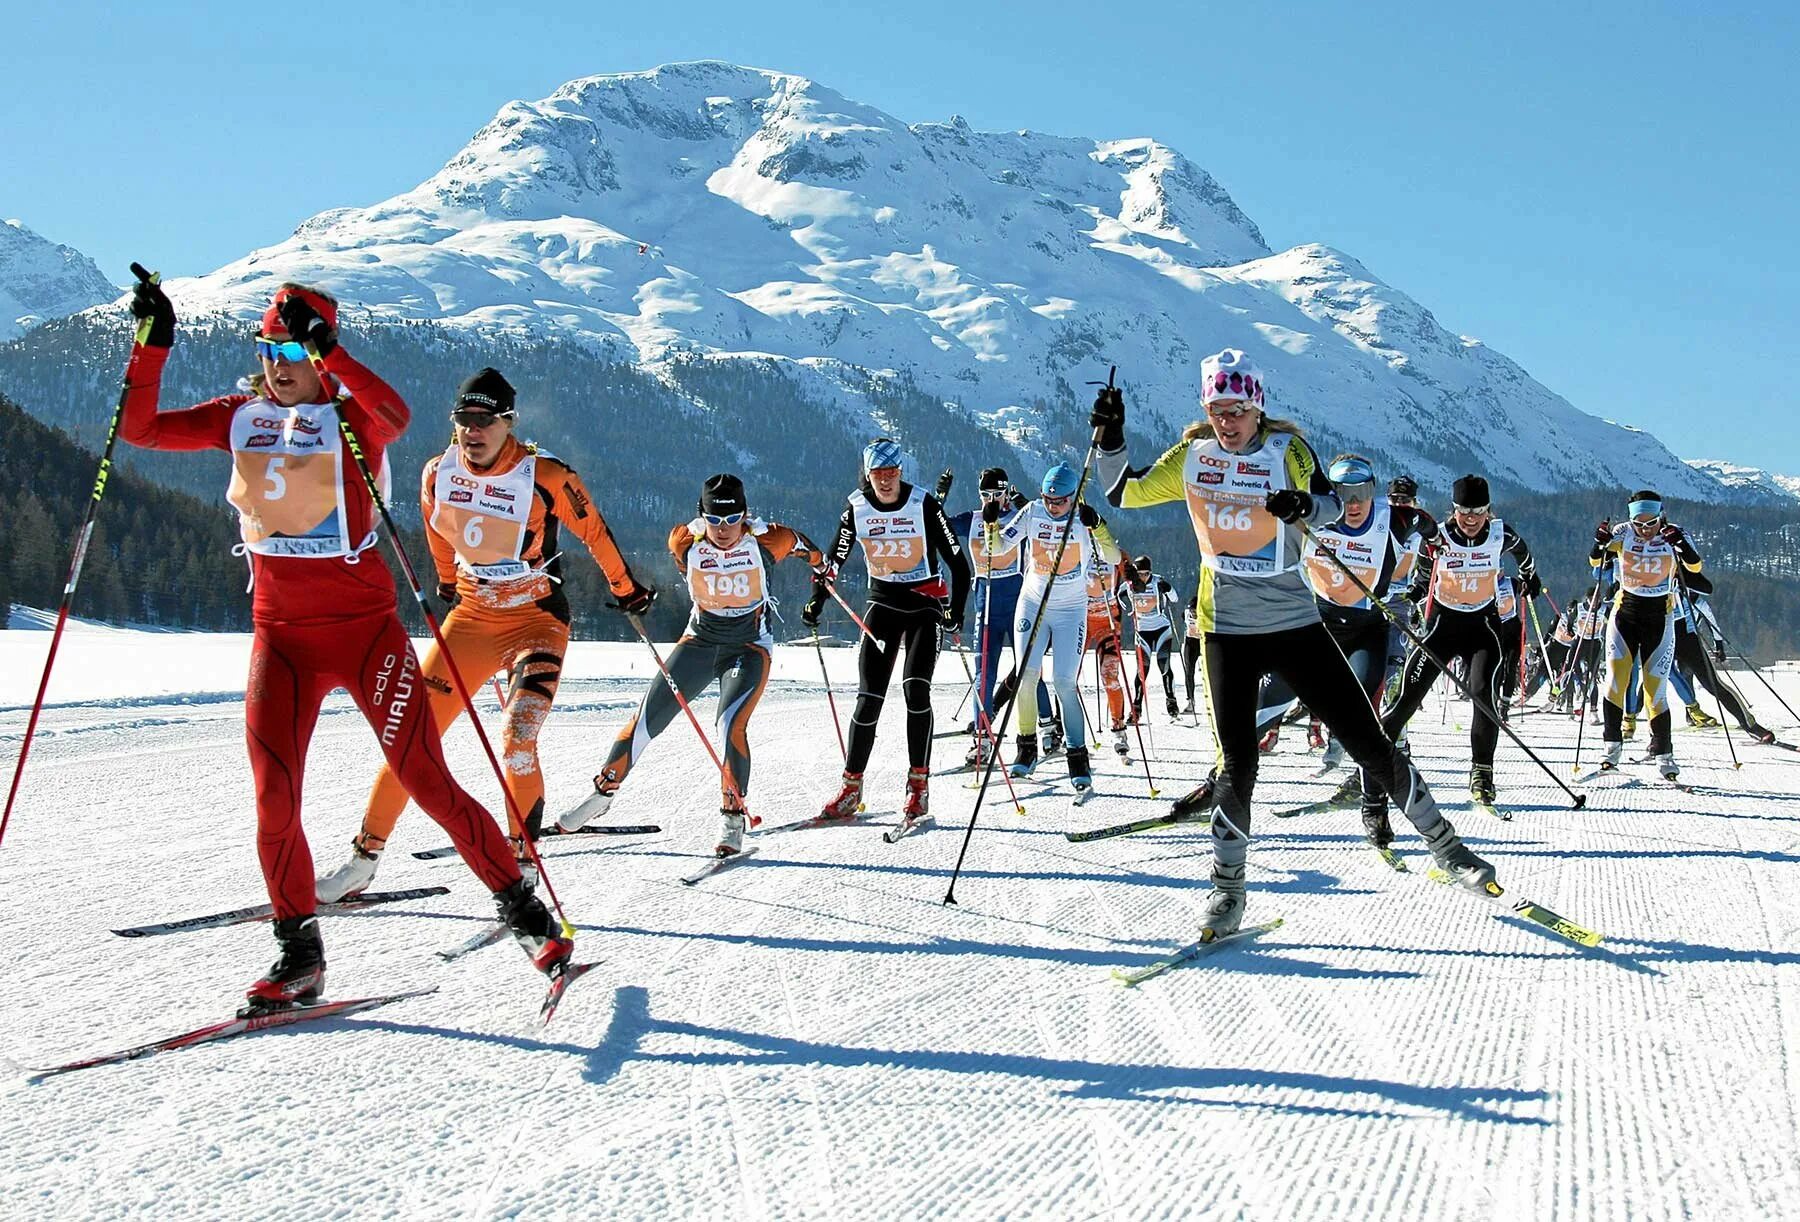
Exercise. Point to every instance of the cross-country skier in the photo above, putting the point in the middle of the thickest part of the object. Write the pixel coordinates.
(1052, 614)
(1512, 644)
(1103, 586)
(1248, 481)
(493, 507)
(1190, 649)
(1150, 599)
(724, 556)
(1403, 493)
(996, 596)
(1462, 623)
(906, 543)
(1702, 666)
(1649, 550)
(322, 605)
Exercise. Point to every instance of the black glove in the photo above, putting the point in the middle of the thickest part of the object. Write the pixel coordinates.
(990, 511)
(952, 619)
(1673, 536)
(1288, 504)
(448, 595)
(943, 485)
(1602, 536)
(1534, 585)
(1086, 513)
(307, 325)
(1108, 417)
(1719, 652)
(638, 601)
(154, 312)
(815, 606)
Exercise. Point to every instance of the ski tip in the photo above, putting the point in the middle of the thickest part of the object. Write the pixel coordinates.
(559, 984)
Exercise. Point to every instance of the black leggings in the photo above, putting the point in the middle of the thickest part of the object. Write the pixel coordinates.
(1156, 641)
(1364, 646)
(1473, 636)
(1691, 655)
(1309, 662)
(1190, 656)
(917, 633)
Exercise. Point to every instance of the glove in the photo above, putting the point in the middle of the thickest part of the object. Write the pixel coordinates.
(1534, 585)
(638, 601)
(1719, 652)
(952, 619)
(943, 485)
(815, 606)
(307, 325)
(1086, 513)
(1288, 504)
(448, 595)
(990, 511)
(1108, 417)
(155, 315)
(1673, 536)
(1602, 535)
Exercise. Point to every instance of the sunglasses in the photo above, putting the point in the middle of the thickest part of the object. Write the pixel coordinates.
(1057, 500)
(1397, 498)
(723, 519)
(280, 350)
(1470, 509)
(993, 494)
(478, 420)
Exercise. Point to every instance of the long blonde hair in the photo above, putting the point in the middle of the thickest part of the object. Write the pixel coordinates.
(1202, 429)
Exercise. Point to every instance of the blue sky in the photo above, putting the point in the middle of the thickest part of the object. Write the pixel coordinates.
(1605, 192)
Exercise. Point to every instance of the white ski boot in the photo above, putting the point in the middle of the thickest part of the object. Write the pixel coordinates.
(731, 833)
(1665, 764)
(587, 810)
(351, 878)
(1052, 731)
(1121, 744)
(1609, 758)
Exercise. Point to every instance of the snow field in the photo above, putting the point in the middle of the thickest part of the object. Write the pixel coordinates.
(814, 1035)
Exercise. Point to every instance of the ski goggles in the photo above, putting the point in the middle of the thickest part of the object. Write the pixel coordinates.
(291, 351)
(1228, 410)
(478, 420)
(723, 519)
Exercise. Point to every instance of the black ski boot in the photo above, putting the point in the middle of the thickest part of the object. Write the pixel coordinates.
(522, 912)
(298, 975)
(1051, 730)
(1481, 785)
(1376, 828)
(1198, 800)
(1025, 755)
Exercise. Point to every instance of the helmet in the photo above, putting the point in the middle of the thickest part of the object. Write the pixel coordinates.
(1403, 485)
(1061, 480)
(1230, 375)
(722, 495)
(1142, 564)
(993, 480)
(882, 452)
(1354, 477)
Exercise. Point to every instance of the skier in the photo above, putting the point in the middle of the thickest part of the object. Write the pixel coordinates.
(1190, 648)
(1702, 667)
(492, 507)
(1041, 528)
(1462, 624)
(1249, 480)
(1103, 587)
(323, 609)
(905, 538)
(1649, 550)
(1149, 599)
(1512, 645)
(724, 556)
(996, 597)
(1403, 493)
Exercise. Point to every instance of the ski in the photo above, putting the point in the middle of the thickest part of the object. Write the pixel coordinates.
(1140, 825)
(1393, 859)
(715, 865)
(905, 828)
(1128, 976)
(1315, 808)
(229, 1029)
(263, 912)
(487, 937)
(1488, 808)
(1529, 910)
(560, 980)
(637, 829)
(816, 821)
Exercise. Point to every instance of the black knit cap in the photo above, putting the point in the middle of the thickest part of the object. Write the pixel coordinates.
(1403, 485)
(1471, 492)
(489, 389)
(993, 479)
(1142, 564)
(722, 494)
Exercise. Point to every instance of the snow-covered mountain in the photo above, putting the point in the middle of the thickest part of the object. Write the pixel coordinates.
(728, 211)
(41, 280)
(1732, 475)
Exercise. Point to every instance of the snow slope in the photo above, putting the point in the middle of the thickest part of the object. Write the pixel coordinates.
(1734, 475)
(736, 212)
(814, 1035)
(41, 280)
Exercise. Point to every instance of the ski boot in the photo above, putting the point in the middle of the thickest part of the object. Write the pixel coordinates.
(1315, 736)
(1225, 906)
(1665, 764)
(1268, 741)
(522, 912)
(731, 832)
(522, 857)
(589, 808)
(917, 808)
(849, 800)
(1189, 710)
(1699, 719)
(299, 973)
(1080, 770)
(1760, 732)
(1025, 755)
(980, 752)
(1453, 857)
(1173, 708)
(1334, 755)
(354, 876)
(1121, 743)
(1628, 727)
(1610, 757)
(1481, 784)
(1201, 798)
(1052, 731)
(1376, 828)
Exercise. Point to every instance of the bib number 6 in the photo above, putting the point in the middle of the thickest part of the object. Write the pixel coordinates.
(472, 531)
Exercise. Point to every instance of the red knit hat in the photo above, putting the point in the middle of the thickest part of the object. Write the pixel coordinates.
(271, 319)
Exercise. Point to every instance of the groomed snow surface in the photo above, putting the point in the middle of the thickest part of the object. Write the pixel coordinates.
(814, 1035)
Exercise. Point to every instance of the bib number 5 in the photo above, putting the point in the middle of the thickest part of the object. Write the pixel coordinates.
(277, 481)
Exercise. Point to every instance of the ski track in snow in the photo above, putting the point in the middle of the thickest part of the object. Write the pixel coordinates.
(815, 1035)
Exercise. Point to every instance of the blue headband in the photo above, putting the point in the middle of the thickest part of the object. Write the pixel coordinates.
(1650, 507)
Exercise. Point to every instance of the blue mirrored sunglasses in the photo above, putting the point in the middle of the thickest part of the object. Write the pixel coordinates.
(723, 519)
(280, 350)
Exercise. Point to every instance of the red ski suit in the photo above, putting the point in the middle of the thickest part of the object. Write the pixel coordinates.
(323, 622)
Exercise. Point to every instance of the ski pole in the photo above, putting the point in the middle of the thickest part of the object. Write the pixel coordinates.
(1732, 645)
(1482, 706)
(1037, 622)
(83, 535)
(637, 626)
(1718, 688)
(1137, 720)
(437, 634)
(1537, 629)
(829, 698)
